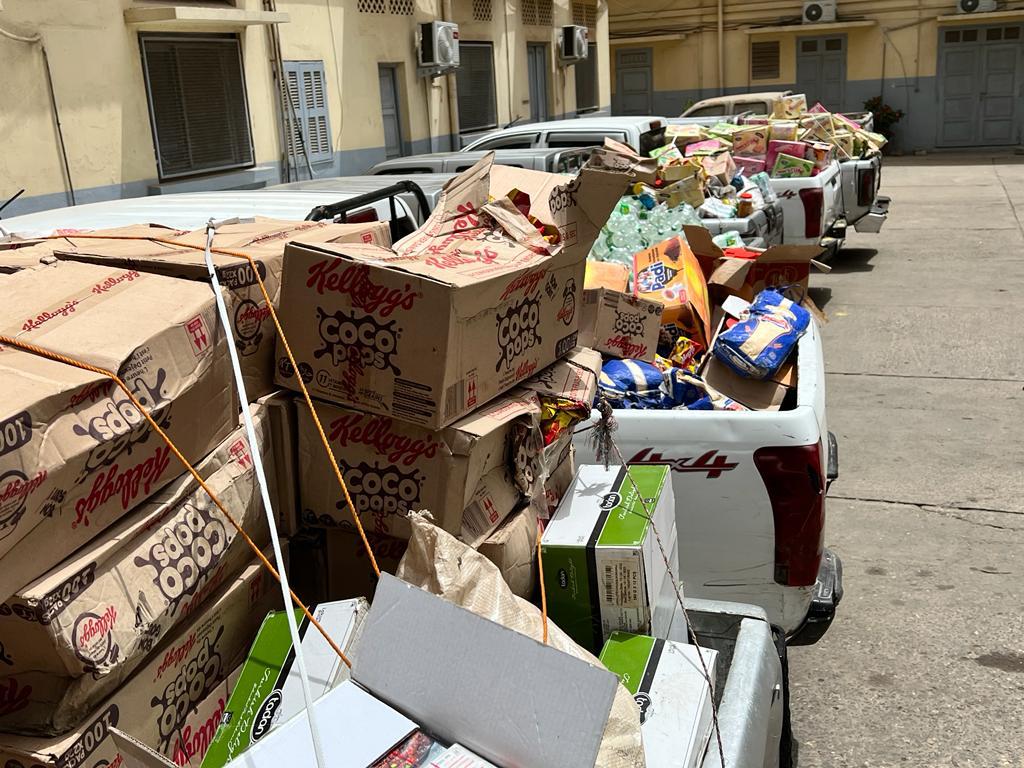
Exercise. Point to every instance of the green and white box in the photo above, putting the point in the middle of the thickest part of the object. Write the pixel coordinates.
(603, 571)
(668, 683)
(269, 691)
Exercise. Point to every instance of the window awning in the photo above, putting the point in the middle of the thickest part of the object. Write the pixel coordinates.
(197, 18)
(994, 17)
(810, 29)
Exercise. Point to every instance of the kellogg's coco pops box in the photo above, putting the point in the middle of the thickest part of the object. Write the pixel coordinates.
(79, 629)
(484, 295)
(75, 453)
(155, 701)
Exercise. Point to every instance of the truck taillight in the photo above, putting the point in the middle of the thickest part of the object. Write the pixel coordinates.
(814, 206)
(866, 187)
(364, 216)
(795, 483)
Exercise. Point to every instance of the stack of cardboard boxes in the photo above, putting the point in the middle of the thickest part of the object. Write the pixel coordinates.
(128, 598)
(445, 370)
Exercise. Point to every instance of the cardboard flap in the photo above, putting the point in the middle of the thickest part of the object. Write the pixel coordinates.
(465, 679)
(135, 754)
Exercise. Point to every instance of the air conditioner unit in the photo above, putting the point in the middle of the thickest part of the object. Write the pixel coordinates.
(572, 43)
(439, 45)
(976, 6)
(819, 12)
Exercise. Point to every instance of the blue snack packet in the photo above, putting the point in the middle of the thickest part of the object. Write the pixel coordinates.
(756, 347)
(631, 384)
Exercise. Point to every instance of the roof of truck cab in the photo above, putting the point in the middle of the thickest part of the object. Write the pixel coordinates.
(181, 211)
(736, 98)
(612, 123)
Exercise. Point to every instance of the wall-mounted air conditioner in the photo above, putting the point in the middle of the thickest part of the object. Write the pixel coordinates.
(976, 6)
(439, 45)
(572, 43)
(819, 12)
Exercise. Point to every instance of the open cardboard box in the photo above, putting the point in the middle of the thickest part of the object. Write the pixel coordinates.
(780, 265)
(756, 394)
(425, 662)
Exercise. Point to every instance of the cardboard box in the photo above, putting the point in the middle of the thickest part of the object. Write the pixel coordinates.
(790, 106)
(562, 458)
(264, 240)
(606, 274)
(620, 158)
(783, 130)
(155, 703)
(684, 186)
(460, 311)
(821, 154)
(192, 742)
(620, 325)
(748, 166)
(443, 678)
(269, 690)
(747, 273)
(75, 456)
(684, 134)
(80, 629)
(759, 395)
(602, 568)
(751, 141)
(789, 167)
(670, 273)
(462, 474)
(668, 683)
(796, 149)
(720, 166)
(706, 147)
(28, 252)
(470, 475)
(513, 548)
(283, 445)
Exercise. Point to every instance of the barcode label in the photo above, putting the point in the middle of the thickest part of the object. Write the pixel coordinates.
(455, 400)
(412, 401)
(609, 583)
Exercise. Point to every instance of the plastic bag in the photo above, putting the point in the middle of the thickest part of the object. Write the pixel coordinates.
(757, 346)
(631, 384)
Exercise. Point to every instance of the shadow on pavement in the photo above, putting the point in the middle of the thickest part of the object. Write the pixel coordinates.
(820, 296)
(853, 260)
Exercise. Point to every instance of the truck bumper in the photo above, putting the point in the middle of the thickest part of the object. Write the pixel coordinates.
(828, 592)
(872, 221)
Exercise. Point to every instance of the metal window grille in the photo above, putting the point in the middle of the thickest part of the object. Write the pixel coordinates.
(401, 7)
(545, 13)
(371, 6)
(586, 81)
(483, 10)
(477, 103)
(764, 60)
(197, 103)
(307, 111)
(528, 12)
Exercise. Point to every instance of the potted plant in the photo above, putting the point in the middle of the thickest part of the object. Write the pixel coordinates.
(885, 116)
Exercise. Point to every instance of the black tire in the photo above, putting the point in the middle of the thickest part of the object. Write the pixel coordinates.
(788, 746)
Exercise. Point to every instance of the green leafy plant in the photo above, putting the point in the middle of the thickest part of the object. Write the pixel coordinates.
(885, 116)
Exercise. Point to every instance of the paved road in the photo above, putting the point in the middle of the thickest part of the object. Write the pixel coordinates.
(925, 350)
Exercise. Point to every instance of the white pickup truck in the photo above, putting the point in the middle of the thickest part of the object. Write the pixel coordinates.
(752, 688)
(758, 480)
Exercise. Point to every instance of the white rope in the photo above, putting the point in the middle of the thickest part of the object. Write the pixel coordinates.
(257, 459)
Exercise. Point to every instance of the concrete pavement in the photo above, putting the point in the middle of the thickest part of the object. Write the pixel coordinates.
(924, 665)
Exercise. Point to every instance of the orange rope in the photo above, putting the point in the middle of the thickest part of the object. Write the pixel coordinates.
(287, 349)
(33, 349)
(543, 591)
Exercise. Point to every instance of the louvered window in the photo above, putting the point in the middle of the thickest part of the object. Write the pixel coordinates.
(197, 103)
(477, 106)
(764, 60)
(307, 112)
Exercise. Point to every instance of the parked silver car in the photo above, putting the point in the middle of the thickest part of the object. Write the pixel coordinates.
(558, 160)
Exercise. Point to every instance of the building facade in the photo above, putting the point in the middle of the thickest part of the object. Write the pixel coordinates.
(956, 76)
(123, 98)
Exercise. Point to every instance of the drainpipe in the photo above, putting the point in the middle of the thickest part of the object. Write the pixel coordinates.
(38, 39)
(450, 85)
(721, 47)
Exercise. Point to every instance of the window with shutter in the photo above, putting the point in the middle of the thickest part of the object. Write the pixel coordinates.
(306, 111)
(586, 81)
(477, 105)
(764, 60)
(197, 103)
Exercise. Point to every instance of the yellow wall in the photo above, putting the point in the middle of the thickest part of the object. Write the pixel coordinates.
(100, 90)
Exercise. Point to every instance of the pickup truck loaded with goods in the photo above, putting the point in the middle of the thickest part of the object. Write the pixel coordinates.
(197, 411)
